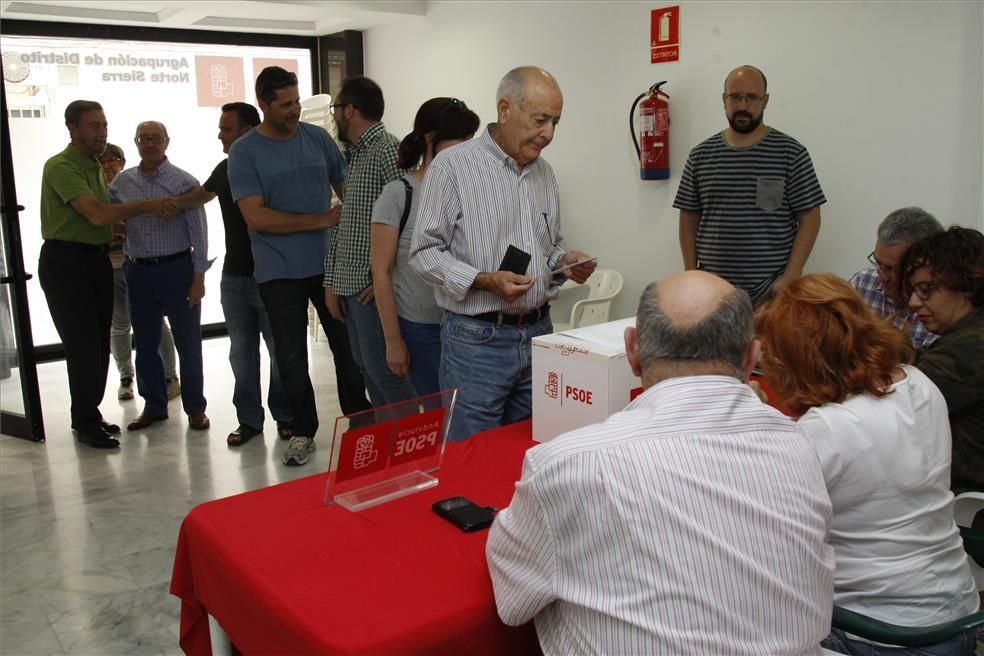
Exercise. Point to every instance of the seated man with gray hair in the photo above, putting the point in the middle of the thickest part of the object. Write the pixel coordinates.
(878, 284)
(693, 521)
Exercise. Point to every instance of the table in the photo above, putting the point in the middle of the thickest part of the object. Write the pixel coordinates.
(282, 573)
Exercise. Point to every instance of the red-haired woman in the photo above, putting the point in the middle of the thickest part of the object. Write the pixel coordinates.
(880, 429)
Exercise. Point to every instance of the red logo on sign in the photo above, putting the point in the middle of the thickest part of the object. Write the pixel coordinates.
(363, 451)
(664, 41)
(417, 436)
(552, 387)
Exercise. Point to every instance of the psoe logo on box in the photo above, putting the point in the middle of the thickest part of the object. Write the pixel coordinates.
(578, 394)
(552, 388)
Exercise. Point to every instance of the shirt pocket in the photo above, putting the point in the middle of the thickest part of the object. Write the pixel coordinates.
(769, 193)
(546, 227)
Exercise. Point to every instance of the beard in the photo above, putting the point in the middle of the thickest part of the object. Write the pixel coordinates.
(745, 128)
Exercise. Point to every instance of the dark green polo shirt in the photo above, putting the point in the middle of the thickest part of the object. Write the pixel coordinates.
(69, 175)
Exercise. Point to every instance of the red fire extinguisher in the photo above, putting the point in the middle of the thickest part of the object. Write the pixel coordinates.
(654, 130)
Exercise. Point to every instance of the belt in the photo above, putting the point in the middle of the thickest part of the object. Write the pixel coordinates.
(98, 248)
(159, 260)
(501, 318)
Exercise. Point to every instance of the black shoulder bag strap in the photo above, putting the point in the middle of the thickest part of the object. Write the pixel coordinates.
(406, 205)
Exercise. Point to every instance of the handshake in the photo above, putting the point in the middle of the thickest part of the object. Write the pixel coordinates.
(166, 208)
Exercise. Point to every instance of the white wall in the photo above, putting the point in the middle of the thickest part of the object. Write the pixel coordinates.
(887, 97)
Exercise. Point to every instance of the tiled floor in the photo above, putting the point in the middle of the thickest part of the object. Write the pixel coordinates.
(87, 538)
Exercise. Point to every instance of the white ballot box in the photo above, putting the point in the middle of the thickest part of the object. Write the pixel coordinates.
(580, 377)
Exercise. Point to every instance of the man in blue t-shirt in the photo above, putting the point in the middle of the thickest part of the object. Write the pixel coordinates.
(280, 174)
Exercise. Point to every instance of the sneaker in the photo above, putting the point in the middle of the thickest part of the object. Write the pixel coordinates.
(297, 451)
(173, 388)
(125, 392)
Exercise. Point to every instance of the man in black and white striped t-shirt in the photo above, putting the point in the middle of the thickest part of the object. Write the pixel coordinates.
(479, 198)
(749, 198)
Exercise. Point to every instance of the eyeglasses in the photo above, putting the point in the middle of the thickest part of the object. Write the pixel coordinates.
(925, 289)
(332, 107)
(881, 267)
(145, 139)
(750, 98)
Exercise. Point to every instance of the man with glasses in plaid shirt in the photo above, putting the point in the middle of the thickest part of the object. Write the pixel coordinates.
(878, 284)
(358, 112)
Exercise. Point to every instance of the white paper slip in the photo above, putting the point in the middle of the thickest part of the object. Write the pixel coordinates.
(572, 265)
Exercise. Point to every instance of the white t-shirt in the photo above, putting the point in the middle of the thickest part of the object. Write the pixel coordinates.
(886, 462)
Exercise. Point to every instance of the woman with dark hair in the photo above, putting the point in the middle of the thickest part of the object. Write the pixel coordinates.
(410, 317)
(943, 280)
(880, 429)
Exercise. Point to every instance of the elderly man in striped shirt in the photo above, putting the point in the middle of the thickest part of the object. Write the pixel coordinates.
(480, 198)
(692, 522)
(165, 276)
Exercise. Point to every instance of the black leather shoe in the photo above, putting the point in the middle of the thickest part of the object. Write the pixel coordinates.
(112, 429)
(97, 439)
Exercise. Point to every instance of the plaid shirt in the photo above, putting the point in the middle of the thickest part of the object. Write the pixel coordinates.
(148, 235)
(867, 283)
(372, 165)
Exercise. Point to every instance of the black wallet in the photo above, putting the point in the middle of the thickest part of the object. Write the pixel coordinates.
(515, 260)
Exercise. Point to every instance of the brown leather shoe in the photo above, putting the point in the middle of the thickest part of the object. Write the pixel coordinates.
(144, 420)
(198, 421)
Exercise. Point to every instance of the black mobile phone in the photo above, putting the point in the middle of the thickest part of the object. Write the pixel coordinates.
(515, 260)
(464, 514)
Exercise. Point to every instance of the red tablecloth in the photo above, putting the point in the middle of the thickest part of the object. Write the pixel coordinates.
(284, 574)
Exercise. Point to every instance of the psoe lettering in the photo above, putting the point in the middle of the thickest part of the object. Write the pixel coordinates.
(580, 395)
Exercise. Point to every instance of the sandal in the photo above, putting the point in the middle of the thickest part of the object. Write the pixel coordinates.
(242, 435)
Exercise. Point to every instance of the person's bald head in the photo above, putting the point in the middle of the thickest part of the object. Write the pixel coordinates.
(747, 73)
(689, 324)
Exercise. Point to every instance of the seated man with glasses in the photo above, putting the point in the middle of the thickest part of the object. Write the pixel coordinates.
(878, 284)
(944, 283)
(749, 198)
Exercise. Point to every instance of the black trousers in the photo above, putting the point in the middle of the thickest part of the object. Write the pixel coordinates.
(286, 303)
(78, 285)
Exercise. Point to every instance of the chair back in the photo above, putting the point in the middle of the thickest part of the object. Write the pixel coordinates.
(603, 286)
(965, 507)
(314, 110)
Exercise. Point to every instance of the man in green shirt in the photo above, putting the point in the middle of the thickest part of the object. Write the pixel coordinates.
(74, 268)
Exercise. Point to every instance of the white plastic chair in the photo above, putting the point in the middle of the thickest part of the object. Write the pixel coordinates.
(603, 286)
(965, 506)
(315, 110)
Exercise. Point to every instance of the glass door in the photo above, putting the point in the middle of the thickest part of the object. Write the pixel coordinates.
(20, 401)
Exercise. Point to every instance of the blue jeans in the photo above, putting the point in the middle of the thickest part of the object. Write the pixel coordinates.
(120, 336)
(491, 367)
(962, 645)
(369, 350)
(246, 319)
(423, 342)
(153, 292)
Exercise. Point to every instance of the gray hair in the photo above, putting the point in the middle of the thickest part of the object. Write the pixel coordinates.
(907, 226)
(722, 336)
(516, 82)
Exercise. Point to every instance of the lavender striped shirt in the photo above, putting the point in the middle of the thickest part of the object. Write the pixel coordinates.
(692, 522)
(148, 235)
(473, 206)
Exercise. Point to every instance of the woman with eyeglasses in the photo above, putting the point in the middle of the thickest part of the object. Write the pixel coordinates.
(410, 318)
(943, 280)
(881, 433)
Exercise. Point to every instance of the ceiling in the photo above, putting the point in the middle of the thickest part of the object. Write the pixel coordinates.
(296, 17)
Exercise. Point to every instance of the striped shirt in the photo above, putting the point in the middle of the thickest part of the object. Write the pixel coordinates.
(692, 522)
(371, 167)
(748, 200)
(474, 205)
(869, 286)
(148, 235)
